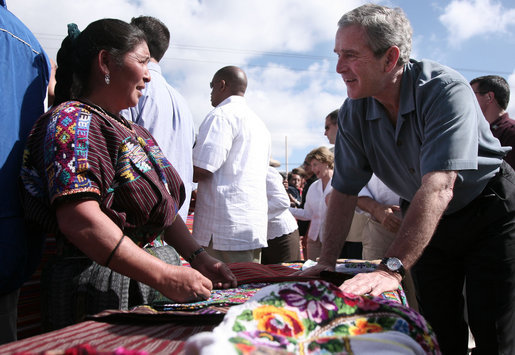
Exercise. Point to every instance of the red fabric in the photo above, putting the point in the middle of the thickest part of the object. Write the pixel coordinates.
(252, 272)
(160, 338)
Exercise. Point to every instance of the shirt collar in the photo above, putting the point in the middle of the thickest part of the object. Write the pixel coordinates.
(407, 101)
(233, 98)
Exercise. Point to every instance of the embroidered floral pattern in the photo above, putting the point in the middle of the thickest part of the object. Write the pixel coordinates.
(316, 317)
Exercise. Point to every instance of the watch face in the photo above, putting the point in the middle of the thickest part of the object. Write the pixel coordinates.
(393, 264)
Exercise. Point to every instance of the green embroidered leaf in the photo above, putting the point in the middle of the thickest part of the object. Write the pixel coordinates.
(246, 315)
(330, 345)
(346, 309)
(238, 327)
(309, 325)
(342, 329)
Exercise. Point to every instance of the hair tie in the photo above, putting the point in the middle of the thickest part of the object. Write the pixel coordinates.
(73, 32)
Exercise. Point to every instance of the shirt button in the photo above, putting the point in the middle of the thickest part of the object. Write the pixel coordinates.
(411, 170)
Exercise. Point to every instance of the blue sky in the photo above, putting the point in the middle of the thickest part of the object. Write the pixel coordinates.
(286, 49)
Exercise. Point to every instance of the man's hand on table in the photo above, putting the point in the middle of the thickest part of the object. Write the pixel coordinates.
(373, 283)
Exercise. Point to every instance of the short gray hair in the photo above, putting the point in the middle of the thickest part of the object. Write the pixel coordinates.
(384, 27)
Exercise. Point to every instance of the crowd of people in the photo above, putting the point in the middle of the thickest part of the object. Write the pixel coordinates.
(420, 177)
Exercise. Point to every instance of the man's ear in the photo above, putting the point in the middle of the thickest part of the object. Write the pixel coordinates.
(391, 58)
(223, 85)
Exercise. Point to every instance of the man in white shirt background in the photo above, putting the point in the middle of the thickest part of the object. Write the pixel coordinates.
(230, 161)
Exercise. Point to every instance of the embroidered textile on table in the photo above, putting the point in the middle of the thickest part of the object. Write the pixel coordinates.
(316, 317)
(252, 277)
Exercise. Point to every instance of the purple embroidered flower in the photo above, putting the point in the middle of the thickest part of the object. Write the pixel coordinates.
(257, 337)
(311, 297)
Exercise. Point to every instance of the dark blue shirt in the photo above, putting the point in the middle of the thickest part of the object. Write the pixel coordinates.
(439, 127)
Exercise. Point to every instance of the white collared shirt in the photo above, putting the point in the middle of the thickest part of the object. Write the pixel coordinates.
(234, 144)
(280, 219)
(314, 209)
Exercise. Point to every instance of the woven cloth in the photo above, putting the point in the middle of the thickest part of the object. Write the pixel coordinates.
(316, 317)
(75, 287)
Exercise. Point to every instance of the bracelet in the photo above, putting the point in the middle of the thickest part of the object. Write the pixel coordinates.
(194, 254)
(113, 251)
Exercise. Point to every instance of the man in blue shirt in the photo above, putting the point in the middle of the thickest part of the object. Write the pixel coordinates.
(25, 74)
(164, 111)
(418, 127)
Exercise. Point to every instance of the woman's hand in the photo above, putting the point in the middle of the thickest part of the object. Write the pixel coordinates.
(184, 284)
(217, 271)
(96, 235)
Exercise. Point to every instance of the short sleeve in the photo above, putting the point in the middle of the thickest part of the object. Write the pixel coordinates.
(213, 143)
(68, 152)
(450, 134)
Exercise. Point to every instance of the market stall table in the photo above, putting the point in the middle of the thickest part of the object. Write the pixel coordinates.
(163, 327)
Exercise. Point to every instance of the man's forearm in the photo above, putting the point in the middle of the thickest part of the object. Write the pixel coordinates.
(422, 217)
(340, 212)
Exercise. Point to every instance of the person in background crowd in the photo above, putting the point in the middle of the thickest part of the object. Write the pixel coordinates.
(25, 74)
(163, 110)
(282, 232)
(331, 127)
(321, 160)
(230, 160)
(309, 178)
(102, 185)
(294, 188)
(493, 94)
(418, 126)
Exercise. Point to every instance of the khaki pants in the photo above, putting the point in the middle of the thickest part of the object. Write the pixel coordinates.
(314, 248)
(235, 256)
(356, 228)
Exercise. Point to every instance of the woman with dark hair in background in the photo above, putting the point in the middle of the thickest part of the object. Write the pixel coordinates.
(102, 185)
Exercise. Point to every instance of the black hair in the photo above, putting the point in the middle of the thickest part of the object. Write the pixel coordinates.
(497, 84)
(158, 35)
(333, 116)
(75, 57)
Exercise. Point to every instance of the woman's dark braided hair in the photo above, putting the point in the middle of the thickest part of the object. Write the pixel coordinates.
(78, 49)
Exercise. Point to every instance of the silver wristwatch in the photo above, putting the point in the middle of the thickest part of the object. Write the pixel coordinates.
(394, 264)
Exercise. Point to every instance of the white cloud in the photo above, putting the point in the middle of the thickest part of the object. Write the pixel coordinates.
(292, 99)
(465, 19)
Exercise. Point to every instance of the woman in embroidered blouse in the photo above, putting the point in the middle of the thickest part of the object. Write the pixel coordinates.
(322, 163)
(101, 181)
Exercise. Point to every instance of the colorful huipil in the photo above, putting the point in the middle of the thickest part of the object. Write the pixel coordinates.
(78, 151)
